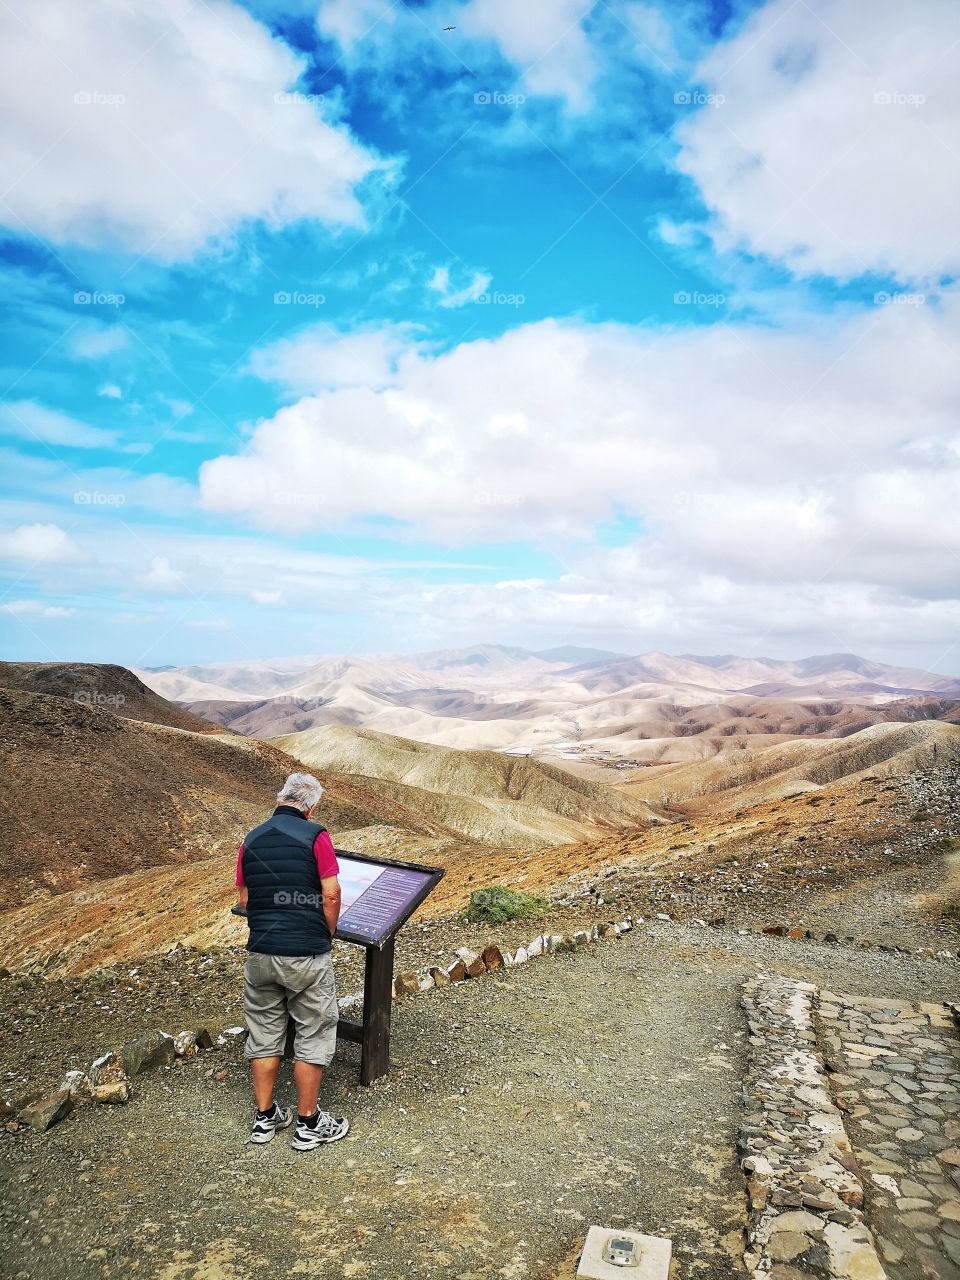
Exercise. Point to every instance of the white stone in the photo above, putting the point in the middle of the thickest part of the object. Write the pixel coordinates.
(654, 1256)
(535, 948)
(521, 956)
(425, 982)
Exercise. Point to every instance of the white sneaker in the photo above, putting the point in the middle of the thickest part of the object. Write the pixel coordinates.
(327, 1128)
(264, 1127)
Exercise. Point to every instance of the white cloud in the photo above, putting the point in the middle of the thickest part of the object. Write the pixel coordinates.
(209, 624)
(319, 357)
(267, 597)
(161, 575)
(94, 341)
(441, 283)
(110, 391)
(41, 544)
(160, 128)
(834, 148)
(35, 422)
(545, 41)
(790, 456)
(36, 609)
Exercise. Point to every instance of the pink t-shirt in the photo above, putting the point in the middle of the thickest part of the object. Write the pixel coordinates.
(323, 851)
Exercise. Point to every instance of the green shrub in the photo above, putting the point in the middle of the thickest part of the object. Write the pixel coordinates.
(497, 904)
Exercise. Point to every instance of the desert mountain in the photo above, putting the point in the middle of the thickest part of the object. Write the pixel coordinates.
(499, 799)
(558, 703)
(88, 795)
(103, 685)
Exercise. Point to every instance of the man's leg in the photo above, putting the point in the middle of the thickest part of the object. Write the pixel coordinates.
(308, 1077)
(264, 1072)
(265, 1007)
(312, 1002)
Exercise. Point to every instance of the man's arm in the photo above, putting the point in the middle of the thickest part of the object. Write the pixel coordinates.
(242, 892)
(330, 886)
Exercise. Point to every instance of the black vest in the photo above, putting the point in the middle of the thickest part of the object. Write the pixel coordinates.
(285, 903)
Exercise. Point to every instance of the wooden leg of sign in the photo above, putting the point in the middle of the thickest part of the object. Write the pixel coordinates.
(377, 992)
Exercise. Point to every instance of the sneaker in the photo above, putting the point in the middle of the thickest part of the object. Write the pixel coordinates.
(264, 1127)
(328, 1128)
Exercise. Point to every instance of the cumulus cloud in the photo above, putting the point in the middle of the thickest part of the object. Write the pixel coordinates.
(171, 124)
(790, 455)
(828, 141)
(320, 356)
(41, 544)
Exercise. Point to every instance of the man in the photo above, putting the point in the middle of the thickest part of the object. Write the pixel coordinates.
(287, 876)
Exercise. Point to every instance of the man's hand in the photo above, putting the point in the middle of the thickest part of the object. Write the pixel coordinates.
(330, 885)
(243, 893)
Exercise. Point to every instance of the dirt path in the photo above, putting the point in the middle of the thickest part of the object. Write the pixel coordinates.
(600, 1086)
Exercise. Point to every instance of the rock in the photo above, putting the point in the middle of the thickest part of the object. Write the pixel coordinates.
(204, 1039)
(48, 1111)
(521, 956)
(581, 938)
(492, 958)
(472, 962)
(185, 1044)
(608, 931)
(425, 982)
(147, 1051)
(535, 948)
(114, 1093)
(797, 1220)
(79, 1086)
(440, 977)
(787, 1245)
(407, 984)
(457, 971)
(776, 930)
(951, 1156)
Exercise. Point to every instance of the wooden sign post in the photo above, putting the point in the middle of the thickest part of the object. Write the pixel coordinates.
(378, 897)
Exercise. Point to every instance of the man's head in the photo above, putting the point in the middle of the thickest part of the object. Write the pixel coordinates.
(301, 790)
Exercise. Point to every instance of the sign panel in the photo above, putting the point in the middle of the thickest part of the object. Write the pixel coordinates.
(378, 896)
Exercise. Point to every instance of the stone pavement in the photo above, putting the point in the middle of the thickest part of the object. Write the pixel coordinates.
(895, 1073)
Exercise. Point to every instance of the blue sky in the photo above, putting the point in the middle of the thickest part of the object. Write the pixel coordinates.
(329, 330)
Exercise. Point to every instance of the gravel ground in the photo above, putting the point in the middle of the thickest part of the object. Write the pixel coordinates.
(598, 1086)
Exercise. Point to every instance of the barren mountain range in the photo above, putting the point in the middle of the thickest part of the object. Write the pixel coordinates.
(564, 703)
(135, 850)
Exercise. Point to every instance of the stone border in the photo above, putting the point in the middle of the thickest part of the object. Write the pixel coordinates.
(805, 1195)
(475, 964)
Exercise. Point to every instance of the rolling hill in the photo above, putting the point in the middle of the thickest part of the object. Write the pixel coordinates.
(499, 799)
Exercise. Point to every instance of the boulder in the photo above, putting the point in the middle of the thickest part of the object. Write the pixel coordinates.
(535, 947)
(48, 1111)
(607, 931)
(425, 982)
(204, 1038)
(79, 1086)
(407, 984)
(492, 958)
(520, 956)
(457, 971)
(440, 977)
(185, 1044)
(114, 1092)
(148, 1051)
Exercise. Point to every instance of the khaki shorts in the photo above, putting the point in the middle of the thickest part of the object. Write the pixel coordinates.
(299, 987)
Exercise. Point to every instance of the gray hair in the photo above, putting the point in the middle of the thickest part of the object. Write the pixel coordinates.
(302, 790)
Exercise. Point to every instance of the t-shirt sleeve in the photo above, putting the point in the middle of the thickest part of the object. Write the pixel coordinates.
(325, 855)
(239, 880)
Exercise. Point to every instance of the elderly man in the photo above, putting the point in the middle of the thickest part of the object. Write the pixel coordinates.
(287, 876)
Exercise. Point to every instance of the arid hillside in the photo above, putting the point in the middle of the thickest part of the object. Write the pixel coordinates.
(844, 818)
(104, 686)
(500, 799)
(88, 795)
